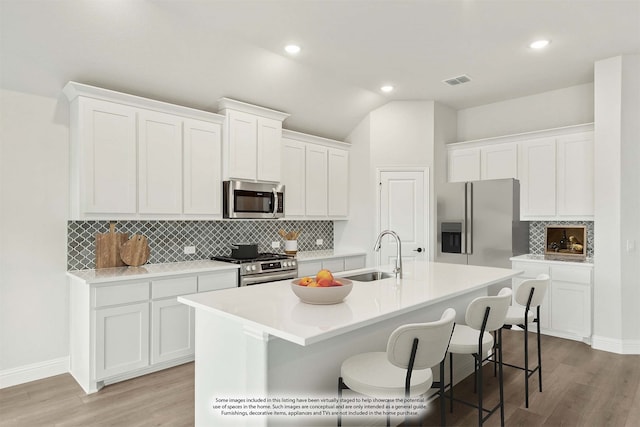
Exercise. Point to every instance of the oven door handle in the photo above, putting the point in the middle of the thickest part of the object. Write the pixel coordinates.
(263, 278)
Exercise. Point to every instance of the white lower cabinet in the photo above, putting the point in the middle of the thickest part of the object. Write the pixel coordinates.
(173, 330)
(121, 339)
(125, 328)
(567, 306)
(333, 264)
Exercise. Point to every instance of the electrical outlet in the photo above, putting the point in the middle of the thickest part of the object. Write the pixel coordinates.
(189, 250)
(275, 245)
(319, 242)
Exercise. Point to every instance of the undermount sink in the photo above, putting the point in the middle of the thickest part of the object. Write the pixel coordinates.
(370, 276)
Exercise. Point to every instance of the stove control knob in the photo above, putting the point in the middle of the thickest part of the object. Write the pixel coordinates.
(286, 264)
(248, 268)
(253, 268)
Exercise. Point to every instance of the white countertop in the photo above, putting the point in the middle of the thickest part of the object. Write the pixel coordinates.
(149, 271)
(325, 254)
(541, 259)
(274, 309)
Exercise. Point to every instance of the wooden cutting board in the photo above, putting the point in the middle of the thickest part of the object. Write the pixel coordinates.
(108, 248)
(135, 251)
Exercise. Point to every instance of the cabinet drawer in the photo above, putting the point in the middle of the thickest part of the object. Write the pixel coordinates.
(121, 294)
(531, 270)
(217, 281)
(573, 275)
(163, 288)
(309, 268)
(333, 264)
(355, 262)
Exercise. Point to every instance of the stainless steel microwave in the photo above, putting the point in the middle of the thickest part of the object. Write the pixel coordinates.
(243, 199)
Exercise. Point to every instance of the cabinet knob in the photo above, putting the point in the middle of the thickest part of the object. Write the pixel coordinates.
(418, 250)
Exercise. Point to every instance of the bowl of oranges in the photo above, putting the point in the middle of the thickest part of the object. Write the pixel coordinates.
(321, 289)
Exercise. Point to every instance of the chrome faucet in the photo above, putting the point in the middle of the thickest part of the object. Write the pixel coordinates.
(398, 268)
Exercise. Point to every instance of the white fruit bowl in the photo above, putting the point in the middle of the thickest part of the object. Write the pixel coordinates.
(318, 295)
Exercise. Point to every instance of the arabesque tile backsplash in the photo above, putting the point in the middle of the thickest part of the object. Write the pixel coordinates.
(167, 239)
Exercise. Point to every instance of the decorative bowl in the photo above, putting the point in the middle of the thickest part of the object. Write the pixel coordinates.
(322, 295)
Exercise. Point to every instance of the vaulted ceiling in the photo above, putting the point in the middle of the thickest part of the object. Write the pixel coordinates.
(195, 52)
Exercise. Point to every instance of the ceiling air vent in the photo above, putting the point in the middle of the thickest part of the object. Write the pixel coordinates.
(454, 81)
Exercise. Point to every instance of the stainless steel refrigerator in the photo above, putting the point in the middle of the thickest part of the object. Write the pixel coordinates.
(479, 223)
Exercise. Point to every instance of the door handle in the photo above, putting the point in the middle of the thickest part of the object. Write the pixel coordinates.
(418, 250)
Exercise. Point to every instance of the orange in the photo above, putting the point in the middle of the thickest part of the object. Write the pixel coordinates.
(313, 284)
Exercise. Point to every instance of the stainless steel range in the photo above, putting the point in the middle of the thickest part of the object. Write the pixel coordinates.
(266, 267)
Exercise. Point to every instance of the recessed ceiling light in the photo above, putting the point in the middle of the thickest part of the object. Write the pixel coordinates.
(292, 49)
(539, 44)
(387, 88)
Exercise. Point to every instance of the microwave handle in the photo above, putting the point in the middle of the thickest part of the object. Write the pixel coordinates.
(275, 202)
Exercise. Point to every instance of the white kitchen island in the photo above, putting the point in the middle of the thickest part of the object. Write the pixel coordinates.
(260, 343)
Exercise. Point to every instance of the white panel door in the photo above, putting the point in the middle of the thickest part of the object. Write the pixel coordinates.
(537, 174)
(159, 163)
(316, 180)
(338, 182)
(243, 140)
(202, 168)
(269, 149)
(172, 330)
(403, 209)
(293, 176)
(108, 144)
(571, 308)
(122, 339)
(464, 164)
(499, 161)
(575, 175)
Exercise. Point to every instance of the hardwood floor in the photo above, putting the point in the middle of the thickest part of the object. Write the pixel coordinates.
(581, 387)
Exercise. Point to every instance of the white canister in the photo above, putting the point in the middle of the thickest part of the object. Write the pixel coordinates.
(290, 247)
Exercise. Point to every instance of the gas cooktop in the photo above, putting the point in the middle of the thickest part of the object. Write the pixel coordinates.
(260, 257)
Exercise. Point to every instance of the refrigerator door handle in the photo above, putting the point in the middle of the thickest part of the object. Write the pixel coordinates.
(468, 217)
(463, 232)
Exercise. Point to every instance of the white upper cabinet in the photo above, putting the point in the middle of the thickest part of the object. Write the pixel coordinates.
(103, 150)
(251, 141)
(338, 178)
(316, 179)
(315, 172)
(202, 167)
(269, 149)
(499, 161)
(464, 164)
(159, 163)
(134, 157)
(575, 175)
(554, 167)
(293, 176)
(243, 145)
(538, 178)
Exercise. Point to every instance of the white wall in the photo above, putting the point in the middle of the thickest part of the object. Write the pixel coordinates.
(400, 133)
(617, 203)
(563, 107)
(34, 210)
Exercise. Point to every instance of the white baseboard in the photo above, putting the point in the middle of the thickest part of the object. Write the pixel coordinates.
(35, 371)
(614, 345)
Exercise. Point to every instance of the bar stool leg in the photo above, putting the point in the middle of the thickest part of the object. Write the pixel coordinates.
(442, 405)
(478, 361)
(539, 352)
(451, 381)
(526, 363)
(501, 380)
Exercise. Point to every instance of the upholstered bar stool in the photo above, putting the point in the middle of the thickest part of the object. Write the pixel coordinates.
(529, 296)
(404, 370)
(483, 316)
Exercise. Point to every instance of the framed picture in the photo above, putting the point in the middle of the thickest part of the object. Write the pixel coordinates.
(566, 242)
